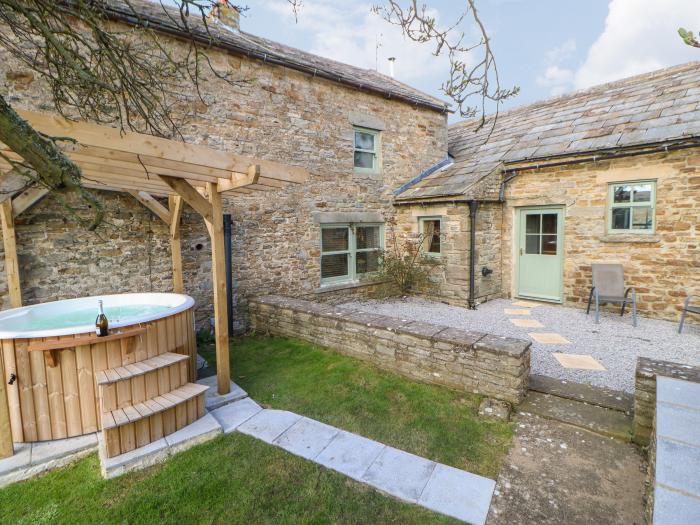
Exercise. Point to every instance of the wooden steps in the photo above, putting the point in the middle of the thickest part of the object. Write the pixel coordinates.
(136, 382)
(132, 426)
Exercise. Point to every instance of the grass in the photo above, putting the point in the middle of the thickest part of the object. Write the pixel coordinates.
(233, 479)
(427, 420)
(237, 479)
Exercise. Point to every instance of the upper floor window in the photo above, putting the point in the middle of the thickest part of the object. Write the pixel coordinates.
(350, 251)
(430, 235)
(631, 207)
(366, 150)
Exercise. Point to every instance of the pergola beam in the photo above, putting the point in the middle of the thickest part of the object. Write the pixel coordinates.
(191, 196)
(239, 180)
(149, 202)
(27, 199)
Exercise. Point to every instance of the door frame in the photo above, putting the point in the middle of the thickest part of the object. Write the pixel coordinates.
(516, 249)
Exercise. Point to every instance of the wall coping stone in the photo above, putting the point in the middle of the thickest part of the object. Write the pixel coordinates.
(439, 333)
(650, 368)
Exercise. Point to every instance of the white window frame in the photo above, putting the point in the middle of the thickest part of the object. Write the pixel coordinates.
(421, 222)
(376, 153)
(352, 251)
(612, 204)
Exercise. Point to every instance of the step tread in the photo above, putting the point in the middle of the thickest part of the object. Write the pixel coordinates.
(133, 413)
(121, 373)
(605, 421)
(593, 395)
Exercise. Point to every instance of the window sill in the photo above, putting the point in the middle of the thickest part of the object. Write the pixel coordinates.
(334, 287)
(631, 238)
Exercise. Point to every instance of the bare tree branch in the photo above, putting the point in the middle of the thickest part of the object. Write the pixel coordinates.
(469, 79)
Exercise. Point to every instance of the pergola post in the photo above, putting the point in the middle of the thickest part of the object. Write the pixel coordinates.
(10, 244)
(218, 269)
(175, 207)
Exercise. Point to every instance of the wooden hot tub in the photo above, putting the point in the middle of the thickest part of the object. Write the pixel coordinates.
(137, 382)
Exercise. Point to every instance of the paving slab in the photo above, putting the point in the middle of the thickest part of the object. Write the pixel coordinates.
(212, 400)
(231, 416)
(137, 459)
(612, 423)
(674, 508)
(400, 474)
(306, 438)
(516, 311)
(458, 494)
(678, 423)
(549, 338)
(526, 323)
(677, 466)
(593, 395)
(578, 361)
(204, 429)
(267, 425)
(21, 459)
(350, 454)
(43, 451)
(677, 392)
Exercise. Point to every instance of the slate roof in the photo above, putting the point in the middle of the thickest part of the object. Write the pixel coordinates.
(658, 107)
(167, 20)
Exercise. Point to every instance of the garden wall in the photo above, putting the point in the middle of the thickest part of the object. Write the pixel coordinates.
(645, 392)
(474, 362)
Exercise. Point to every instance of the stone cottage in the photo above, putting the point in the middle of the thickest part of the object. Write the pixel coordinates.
(607, 174)
(359, 134)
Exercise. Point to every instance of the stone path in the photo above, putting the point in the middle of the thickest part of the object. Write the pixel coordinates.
(556, 473)
(438, 487)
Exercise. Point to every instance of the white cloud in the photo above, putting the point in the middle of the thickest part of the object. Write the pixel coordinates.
(349, 32)
(639, 36)
(557, 78)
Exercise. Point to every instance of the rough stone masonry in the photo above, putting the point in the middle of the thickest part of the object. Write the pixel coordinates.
(474, 362)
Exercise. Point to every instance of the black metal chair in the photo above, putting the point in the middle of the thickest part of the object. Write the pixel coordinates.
(609, 287)
(687, 307)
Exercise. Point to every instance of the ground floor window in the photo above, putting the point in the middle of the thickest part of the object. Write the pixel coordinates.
(631, 207)
(350, 251)
(429, 229)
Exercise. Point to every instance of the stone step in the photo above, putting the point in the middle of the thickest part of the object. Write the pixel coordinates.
(604, 421)
(134, 426)
(593, 395)
(137, 382)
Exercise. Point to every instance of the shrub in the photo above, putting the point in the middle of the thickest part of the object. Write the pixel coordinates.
(404, 267)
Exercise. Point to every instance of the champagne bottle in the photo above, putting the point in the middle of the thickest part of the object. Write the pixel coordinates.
(101, 323)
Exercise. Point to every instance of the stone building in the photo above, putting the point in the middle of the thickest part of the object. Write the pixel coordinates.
(606, 174)
(297, 108)
(609, 174)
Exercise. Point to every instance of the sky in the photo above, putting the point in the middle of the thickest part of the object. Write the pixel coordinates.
(546, 47)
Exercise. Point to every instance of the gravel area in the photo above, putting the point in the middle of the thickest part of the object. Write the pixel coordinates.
(615, 343)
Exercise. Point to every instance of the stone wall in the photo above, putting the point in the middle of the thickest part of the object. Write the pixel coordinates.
(280, 115)
(663, 266)
(645, 392)
(453, 278)
(474, 362)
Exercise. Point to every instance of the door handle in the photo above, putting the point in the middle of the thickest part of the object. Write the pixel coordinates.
(521, 251)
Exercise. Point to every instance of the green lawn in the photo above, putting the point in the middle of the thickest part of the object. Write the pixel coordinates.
(428, 420)
(237, 479)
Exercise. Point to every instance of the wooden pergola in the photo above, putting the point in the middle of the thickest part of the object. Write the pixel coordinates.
(147, 167)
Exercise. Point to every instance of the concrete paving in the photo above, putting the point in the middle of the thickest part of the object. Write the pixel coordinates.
(676, 481)
(31, 459)
(212, 399)
(440, 488)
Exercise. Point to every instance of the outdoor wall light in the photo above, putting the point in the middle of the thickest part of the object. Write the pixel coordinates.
(486, 271)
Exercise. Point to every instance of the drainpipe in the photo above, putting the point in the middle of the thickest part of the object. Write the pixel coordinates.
(227, 252)
(472, 255)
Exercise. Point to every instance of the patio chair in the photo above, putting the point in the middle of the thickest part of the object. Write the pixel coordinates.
(687, 307)
(609, 287)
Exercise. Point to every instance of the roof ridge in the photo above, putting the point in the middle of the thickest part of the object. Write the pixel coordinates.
(649, 75)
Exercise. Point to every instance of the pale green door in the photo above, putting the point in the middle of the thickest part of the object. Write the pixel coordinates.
(540, 253)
